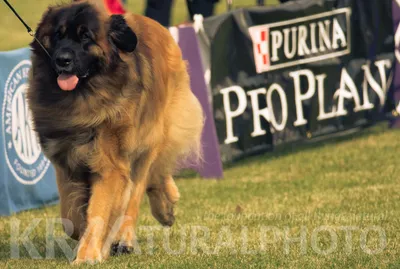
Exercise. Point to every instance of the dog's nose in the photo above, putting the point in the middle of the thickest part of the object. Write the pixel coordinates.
(64, 59)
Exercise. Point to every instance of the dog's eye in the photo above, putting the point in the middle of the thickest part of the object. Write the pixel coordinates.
(85, 37)
(58, 34)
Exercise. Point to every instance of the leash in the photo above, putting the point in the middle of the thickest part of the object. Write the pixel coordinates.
(30, 32)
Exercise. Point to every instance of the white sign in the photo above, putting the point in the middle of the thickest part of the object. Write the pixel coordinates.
(302, 40)
(315, 86)
(23, 154)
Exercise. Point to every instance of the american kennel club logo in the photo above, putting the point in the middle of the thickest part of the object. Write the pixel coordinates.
(300, 41)
(23, 154)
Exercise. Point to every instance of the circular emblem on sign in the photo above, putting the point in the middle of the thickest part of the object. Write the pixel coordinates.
(23, 154)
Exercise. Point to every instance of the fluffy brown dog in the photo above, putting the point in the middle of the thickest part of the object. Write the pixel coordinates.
(114, 112)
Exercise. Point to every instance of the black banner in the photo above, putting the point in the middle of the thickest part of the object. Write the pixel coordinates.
(300, 70)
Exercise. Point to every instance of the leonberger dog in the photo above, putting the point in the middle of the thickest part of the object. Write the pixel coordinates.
(114, 113)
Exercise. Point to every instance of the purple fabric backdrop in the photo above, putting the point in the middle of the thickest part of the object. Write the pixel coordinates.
(211, 167)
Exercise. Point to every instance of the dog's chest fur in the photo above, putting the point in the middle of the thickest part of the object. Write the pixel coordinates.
(67, 148)
(91, 149)
(94, 134)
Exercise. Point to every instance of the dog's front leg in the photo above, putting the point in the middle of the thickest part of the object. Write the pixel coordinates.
(139, 175)
(108, 201)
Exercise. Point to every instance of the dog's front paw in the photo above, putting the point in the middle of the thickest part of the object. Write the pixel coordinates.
(87, 261)
(162, 201)
(162, 209)
(167, 218)
(88, 254)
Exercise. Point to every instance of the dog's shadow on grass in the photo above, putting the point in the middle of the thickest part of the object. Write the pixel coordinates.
(294, 147)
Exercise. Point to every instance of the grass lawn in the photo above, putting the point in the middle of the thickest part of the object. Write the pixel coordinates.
(340, 199)
(332, 204)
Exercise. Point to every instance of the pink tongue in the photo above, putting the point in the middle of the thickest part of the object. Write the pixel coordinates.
(67, 82)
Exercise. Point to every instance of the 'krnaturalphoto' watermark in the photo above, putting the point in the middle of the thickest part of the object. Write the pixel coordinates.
(193, 239)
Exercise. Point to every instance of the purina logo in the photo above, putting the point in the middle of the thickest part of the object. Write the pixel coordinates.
(302, 40)
(23, 154)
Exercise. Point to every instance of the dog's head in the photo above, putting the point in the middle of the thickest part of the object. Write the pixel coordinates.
(83, 41)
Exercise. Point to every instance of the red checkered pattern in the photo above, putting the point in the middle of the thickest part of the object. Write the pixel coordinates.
(260, 38)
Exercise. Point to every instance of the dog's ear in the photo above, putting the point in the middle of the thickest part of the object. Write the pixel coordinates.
(43, 31)
(121, 35)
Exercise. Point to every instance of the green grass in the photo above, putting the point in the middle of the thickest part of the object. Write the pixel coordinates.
(350, 182)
